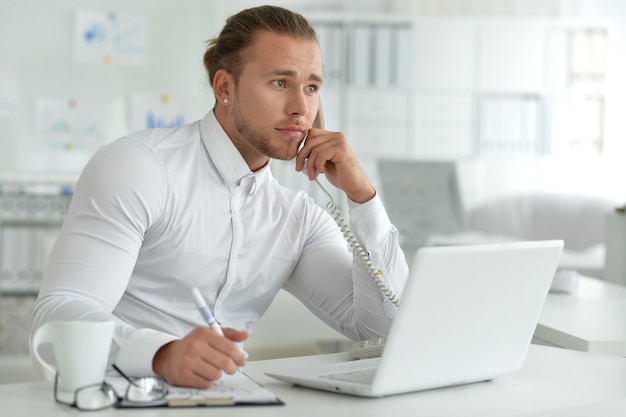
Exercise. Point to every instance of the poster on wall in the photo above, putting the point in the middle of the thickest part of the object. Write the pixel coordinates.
(151, 110)
(69, 125)
(109, 38)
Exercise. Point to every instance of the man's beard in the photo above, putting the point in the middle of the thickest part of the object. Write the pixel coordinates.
(259, 140)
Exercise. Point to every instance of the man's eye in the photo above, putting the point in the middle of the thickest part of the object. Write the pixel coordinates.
(279, 83)
(311, 89)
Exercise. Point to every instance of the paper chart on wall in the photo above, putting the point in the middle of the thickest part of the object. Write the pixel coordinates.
(149, 111)
(109, 38)
(69, 124)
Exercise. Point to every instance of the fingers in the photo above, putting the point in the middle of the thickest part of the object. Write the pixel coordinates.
(330, 153)
(322, 147)
(200, 357)
(235, 335)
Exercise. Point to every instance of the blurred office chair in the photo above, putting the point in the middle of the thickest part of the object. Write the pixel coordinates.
(577, 219)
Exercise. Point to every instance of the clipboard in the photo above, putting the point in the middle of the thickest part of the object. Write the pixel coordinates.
(230, 390)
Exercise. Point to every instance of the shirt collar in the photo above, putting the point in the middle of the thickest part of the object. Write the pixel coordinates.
(225, 156)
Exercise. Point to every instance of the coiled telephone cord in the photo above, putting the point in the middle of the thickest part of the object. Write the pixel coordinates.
(357, 249)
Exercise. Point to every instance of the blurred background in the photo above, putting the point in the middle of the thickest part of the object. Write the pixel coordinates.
(477, 120)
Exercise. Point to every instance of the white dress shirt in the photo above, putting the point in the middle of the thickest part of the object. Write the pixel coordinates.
(160, 211)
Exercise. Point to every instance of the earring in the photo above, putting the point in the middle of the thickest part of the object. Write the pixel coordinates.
(225, 101)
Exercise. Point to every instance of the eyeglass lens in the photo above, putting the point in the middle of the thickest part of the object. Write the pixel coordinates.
(89, 398)
(146, 389)
(101, 396)
(96, 399)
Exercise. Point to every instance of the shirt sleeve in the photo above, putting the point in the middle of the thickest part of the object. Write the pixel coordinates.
(94, 255)
(334, 284)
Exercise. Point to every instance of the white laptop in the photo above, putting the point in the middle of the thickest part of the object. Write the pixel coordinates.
(467, 314)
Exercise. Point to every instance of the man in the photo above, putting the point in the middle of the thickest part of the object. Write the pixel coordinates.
(160, 211)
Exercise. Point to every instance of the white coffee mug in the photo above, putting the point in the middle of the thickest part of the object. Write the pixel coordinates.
(81, 351)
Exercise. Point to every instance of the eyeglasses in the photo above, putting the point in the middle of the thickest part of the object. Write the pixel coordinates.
(143, 390)
(89, 398)
(140, 391)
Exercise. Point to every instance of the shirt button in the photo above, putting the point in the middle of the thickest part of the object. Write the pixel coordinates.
(360, 225)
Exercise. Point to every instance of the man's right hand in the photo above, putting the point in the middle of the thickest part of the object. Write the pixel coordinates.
(199, 358)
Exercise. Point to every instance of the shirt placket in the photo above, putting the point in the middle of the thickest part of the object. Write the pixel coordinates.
(240, 191)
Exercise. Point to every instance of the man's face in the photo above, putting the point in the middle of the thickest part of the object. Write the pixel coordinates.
(276, 98)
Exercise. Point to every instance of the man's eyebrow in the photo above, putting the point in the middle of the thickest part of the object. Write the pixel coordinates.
(315, 77)
(290, 73)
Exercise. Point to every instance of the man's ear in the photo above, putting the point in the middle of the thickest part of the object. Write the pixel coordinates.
(223, 84)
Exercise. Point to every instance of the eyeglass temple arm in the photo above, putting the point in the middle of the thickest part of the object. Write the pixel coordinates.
(126, 377)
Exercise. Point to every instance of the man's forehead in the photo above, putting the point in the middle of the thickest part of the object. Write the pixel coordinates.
(283, 50)
(290, 73)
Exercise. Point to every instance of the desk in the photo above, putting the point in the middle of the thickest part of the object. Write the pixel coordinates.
(551, 379)
(604, 408)
(592, 319)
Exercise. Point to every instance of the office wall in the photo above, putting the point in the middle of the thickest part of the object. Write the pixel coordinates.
(485, 178)
(36, 41)
(36, 44)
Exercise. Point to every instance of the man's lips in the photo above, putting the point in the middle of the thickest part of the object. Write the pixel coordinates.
(292, 132)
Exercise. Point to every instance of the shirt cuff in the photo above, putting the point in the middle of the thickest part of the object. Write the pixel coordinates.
(137, 352)
(369, 220)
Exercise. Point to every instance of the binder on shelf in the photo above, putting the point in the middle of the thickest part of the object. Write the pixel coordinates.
(330, 38)
(29, 212)
(510, 124)
(384, 60)
(402, 35)
(361, 70)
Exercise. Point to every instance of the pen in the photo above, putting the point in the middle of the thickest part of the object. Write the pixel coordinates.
(206, 313)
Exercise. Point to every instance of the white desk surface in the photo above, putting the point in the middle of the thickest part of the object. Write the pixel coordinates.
(600, 409)
(551, 379)
(591, 319)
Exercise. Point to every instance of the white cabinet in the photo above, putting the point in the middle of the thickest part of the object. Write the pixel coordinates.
(368, 91)
(444, 126)
(371, 105)
(509, 86)
(445, 55)
(379, 141)
(442, 142)
(444, 107)
(445, 80)
(377, 122)
(453, 88)
(512, 57)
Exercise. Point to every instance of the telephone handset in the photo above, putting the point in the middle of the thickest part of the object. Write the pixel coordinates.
(355, 246)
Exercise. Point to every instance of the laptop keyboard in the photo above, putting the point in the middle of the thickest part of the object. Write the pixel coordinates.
(364, 376)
